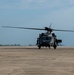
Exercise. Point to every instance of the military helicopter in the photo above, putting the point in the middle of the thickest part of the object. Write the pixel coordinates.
(47, 39)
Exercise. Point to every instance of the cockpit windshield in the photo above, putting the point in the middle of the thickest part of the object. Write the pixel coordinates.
(46, 38)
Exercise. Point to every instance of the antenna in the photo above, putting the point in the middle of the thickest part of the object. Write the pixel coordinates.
(50, 25)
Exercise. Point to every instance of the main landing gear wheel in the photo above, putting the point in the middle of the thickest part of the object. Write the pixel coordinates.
(54, 46)
(39, 47)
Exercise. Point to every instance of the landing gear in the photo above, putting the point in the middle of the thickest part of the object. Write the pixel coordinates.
(49, 46)
(39, 46)
(54, 45)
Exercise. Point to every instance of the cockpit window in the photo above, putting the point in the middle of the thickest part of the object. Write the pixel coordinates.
(46, 38)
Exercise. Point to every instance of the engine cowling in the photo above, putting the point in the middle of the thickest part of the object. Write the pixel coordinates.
(59, 41)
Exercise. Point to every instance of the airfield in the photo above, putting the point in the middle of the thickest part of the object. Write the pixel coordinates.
(29, 60)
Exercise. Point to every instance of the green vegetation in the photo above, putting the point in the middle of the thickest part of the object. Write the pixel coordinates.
(10, 45)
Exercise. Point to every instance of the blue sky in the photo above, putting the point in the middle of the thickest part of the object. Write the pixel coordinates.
(35, 13)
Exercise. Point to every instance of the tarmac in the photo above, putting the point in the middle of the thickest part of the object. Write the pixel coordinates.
(29, 60)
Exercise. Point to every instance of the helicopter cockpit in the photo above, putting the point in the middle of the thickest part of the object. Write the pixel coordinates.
(45, 40)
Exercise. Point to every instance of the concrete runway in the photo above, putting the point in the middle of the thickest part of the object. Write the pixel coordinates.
(29, 60)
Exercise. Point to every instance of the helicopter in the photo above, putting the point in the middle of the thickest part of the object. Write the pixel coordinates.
(47, 39)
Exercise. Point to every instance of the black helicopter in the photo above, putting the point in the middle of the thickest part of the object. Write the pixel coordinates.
(46, 39)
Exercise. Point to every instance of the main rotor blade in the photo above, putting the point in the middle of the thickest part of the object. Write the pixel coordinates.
(47, 29)
(63, 30)
(23, 28)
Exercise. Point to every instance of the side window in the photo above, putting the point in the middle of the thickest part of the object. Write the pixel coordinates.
(47, 38)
